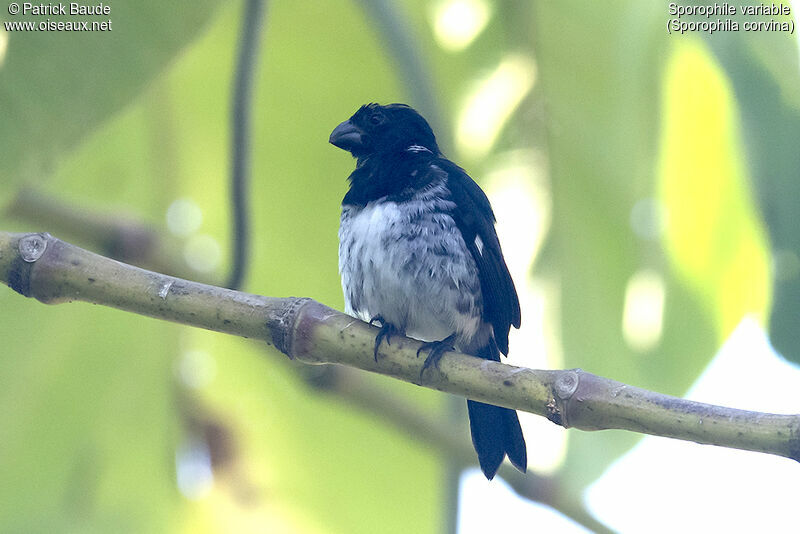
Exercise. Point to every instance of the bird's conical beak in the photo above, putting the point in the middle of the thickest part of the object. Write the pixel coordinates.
(347, 136)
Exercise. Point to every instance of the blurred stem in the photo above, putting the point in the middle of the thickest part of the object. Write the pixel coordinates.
(125, 238)
(394, 29)
(52, 271)
(252, 24)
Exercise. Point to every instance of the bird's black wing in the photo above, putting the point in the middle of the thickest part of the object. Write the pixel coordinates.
(474, 217)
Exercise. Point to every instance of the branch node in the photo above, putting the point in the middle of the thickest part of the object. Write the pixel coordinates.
(564, 387)
(164, 291)
(281, 324)
(32, 246)
(566, 384)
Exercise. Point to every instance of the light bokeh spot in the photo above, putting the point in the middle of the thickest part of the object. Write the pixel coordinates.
(643, 313)
(489, 107)
(3, 46)
(203, 253)
(194, 474)
(184, 217)
(456, 23)
(196, 368)
(648, 218)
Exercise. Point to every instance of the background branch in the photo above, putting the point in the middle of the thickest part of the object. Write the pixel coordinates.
(124, 237)
(450, 440)
(394, 29)
(52, 271)
(242, 109)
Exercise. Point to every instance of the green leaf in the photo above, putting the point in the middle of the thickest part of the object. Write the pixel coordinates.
(58, 86)
(763, 68)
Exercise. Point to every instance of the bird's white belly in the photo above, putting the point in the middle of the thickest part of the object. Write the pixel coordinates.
(388, 270)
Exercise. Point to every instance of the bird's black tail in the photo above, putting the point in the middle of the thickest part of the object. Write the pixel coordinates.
(495, 430)
(495, 434)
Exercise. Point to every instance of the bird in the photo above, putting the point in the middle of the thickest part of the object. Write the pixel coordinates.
(419, 254)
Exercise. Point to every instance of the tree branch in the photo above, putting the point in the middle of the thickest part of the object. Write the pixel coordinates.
(52, 271)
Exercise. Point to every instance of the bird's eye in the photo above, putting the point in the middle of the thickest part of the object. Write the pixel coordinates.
(376, 118)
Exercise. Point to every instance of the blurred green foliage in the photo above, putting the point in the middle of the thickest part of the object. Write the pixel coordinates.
(666, 159)
(58, 87)
(762, 68)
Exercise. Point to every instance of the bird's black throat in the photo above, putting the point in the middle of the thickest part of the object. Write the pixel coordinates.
(394, 176)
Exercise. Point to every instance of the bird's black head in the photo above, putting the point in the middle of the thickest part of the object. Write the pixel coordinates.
(376, 129)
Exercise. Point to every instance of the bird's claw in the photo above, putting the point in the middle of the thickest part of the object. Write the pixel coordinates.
(437, 349)
(386, 332)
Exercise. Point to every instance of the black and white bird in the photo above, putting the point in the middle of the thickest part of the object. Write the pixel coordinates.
(418, 253)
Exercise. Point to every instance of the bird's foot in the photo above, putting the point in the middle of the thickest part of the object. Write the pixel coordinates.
(437, 349)
(386, 332)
